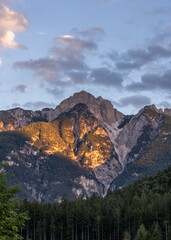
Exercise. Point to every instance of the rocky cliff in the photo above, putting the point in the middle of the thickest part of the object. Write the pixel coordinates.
(81, 147)
(101, 108)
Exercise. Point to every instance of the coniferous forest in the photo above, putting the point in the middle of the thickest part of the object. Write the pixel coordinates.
(141, 211)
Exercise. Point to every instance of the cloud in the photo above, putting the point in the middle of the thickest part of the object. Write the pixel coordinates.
(72, 45)
(135, 59)
(116, 104)
(79, 77)
(23, 88)
(55, 91)
(38, 105)
(10, 23)
(67, 56)
(0, 62)
(152, 82)
(106, 77)
(135, 101)
(15, 105)
(158, 11)
(92, 32)
(46, 69)
(165, 104)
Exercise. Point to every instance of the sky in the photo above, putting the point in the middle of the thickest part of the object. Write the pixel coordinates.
(117, 49)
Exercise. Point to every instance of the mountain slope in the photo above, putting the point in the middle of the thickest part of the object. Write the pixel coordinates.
(82, 146)
(156, 156)
(75, 137)
(101, 108)
(119, 215)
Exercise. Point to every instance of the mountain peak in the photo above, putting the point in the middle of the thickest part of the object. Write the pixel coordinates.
(101, 108)
(82, 93)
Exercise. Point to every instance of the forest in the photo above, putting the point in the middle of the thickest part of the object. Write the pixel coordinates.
(141, 211)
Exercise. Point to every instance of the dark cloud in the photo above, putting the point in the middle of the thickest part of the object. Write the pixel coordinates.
(44, 68)
(79, 77)
(55, 91)
(75, 45)
(68, 56)
(152, 82)
(106, 77)
(135, 101)
(14, 105)
(38, 105)
(93, 32)
(116, 104)
(67, 65)
(135, 59)
(113, 55)
(22, 88)
(162, 36)
(165, 104)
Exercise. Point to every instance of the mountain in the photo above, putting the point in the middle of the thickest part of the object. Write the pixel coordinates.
(152, 152)
(146, 201)
(102, 110)
(81, 147)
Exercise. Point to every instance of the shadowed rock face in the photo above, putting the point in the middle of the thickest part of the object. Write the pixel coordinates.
(139, 130)
(76, 134)
(96, 141)
(102, 110)
(167, 111)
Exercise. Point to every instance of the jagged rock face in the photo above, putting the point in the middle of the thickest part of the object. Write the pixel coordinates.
(7, 122)
(154, 155)
(167, 111)
(47, 177)
(76, 134)
(25, 117)
(102, 109)
(83, 133)
(131, 134)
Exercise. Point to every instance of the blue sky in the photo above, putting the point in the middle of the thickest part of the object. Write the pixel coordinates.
(120, 50)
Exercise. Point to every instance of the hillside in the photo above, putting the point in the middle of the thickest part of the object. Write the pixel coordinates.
(143, 207)
(83, 146)
(156, 156)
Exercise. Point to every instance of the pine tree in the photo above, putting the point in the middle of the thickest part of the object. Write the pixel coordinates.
(156, 234)
(10, 220)
(142, 233)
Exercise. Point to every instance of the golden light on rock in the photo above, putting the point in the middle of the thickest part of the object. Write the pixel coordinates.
(81, 139)
(8, 127)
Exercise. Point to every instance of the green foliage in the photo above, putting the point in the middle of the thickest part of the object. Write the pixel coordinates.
(10, 219)
(157, 156)
(142, 233)
(156, 233)
(126, 214)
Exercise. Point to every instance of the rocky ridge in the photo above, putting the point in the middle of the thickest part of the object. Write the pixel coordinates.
(85, 130)
(101, 108)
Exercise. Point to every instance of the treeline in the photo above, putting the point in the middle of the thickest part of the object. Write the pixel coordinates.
(141, 211)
